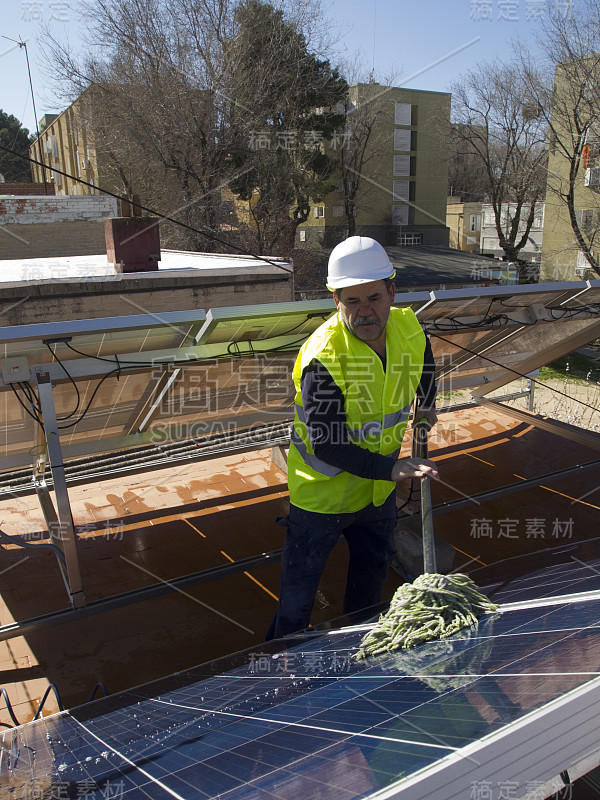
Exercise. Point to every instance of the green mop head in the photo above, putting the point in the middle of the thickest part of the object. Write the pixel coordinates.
(432, 607)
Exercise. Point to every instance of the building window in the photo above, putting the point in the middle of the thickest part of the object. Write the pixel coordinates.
(402, 139)
(53, 146)
(588, 220)
(401, 190)
(338, 211)
(402, 113)
(399, 215)
(538, 220)
(319, 211)
(582, 261)
(582, 264)
(302, 236)
(474, 222)
(401, 165)
(409, 239)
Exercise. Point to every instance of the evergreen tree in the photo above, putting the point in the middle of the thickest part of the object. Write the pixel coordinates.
(13, 136)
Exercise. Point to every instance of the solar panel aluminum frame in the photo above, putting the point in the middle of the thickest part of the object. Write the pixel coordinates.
(270, 311)
(521, 752)
(53, 330)
(196, 347)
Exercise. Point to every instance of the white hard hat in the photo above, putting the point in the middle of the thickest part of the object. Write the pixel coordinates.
(357, 259)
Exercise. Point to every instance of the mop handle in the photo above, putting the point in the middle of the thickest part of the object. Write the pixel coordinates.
(429, 565)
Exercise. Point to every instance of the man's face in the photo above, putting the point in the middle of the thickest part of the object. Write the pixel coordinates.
(365, 309)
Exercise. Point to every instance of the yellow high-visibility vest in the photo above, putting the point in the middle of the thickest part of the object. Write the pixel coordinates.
(377, 405)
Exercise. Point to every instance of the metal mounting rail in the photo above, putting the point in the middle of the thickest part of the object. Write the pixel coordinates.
(510, 488)
(144, 459)
(67, 615)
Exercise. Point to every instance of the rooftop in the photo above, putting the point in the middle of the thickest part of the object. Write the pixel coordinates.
(94, 266)
(176, 543)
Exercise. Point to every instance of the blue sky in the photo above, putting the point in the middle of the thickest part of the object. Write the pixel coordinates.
(402, 38)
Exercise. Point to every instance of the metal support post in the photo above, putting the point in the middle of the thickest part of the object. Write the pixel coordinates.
(429, 560)
(64, 536)
(46, 504)
(531, 395)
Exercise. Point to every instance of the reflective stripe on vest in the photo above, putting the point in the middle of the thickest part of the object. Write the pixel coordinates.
(320, 466)
(311, 459)
(374, 428)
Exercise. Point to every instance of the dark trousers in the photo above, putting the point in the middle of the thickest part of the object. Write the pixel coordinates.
(309, 541)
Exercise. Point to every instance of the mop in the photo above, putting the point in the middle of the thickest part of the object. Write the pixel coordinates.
(433, 606)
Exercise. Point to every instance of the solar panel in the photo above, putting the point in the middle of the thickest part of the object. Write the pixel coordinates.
(311, 722)
(556, 572)
(274, 321)
(158, 377)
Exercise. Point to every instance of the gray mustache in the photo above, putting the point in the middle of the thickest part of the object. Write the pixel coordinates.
(366, 321)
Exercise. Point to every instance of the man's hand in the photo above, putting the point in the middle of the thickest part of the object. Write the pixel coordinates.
(414, 468)
(427, 414)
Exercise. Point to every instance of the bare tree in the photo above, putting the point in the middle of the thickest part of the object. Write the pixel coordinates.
(362, 145)
(151, 102)
(567, 94)
(467, 174)
(175, 94)
(496, 120)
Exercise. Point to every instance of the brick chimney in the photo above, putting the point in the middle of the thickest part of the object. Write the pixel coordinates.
(133, 243)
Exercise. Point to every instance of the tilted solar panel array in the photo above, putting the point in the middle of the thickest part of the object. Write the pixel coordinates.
(312, 722)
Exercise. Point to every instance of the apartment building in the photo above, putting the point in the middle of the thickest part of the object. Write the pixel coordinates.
(402, 196)
(562, 255)
(68, 147)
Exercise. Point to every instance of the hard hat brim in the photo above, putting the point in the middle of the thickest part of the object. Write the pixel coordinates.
(343, 282)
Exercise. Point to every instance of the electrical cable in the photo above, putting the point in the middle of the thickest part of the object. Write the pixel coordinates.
(32, 414)
(251, 351)
(99, 685)
(289, 348)
(455, 326)
(120, 366)
(28, 391)
(50, 688)
(86, 409)
(68, 374)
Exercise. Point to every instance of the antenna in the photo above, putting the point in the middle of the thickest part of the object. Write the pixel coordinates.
(22, 45)
(374, 35)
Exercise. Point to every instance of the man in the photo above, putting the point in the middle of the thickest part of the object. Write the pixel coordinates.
(356, 378)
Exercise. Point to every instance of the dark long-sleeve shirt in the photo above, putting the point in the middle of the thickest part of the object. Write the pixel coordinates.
(325, 416)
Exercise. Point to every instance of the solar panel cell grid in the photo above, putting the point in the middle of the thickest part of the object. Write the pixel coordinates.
(568, 578)
(344, 729)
